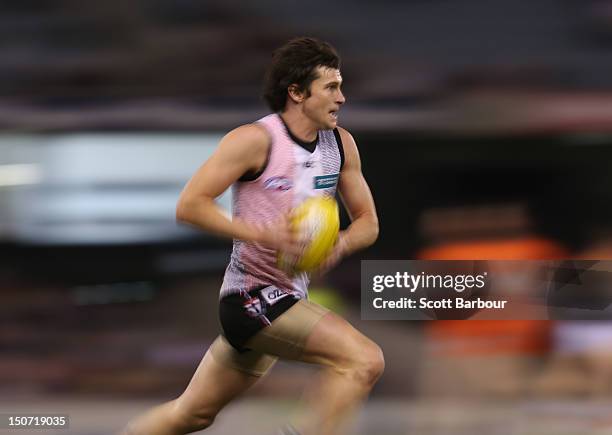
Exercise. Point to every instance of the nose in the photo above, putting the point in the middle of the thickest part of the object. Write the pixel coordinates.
(340, 99)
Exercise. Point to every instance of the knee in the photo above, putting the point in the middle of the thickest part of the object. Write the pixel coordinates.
(199, 421)
(191, 420)
(369, 365)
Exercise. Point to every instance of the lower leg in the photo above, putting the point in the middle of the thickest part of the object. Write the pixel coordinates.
(167, 419)
(212, 387)
(351, 365)
(330, 403)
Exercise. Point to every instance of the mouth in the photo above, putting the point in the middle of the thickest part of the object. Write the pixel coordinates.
(334, 114)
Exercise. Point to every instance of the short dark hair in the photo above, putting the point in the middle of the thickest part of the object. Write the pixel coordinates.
(296, 62)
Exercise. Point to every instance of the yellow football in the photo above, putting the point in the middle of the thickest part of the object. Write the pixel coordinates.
(317, 220)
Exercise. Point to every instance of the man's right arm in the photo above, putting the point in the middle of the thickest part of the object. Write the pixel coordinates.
(241, 150)
(244, 149)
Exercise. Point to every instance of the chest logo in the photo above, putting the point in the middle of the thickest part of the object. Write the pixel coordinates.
(278, 183)
(325, 181)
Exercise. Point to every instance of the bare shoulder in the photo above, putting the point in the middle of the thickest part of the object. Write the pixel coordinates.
(252, 138)
(347, 138)
(351, 154)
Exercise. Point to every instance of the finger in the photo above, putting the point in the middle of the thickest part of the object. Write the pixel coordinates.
(292, 248)
(301, 240)
(324, 267)
(332, 259)
(297, 250)
(282, 223)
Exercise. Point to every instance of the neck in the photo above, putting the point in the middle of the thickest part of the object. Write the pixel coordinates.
(299, 124)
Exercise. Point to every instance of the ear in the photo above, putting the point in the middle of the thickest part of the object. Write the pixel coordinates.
(295, 94)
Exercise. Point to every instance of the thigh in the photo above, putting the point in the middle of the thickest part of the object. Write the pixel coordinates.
(334, 341)
(222, 376)
(310, 333)
(286, 336)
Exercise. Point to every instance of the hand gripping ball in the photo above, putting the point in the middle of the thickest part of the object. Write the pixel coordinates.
(317, 221)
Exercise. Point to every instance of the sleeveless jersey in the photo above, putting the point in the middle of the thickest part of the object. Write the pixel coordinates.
(291, 175)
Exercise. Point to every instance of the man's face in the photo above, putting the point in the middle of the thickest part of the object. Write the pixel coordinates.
(325, 98)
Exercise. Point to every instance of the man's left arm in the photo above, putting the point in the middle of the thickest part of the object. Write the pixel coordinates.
(357, 199)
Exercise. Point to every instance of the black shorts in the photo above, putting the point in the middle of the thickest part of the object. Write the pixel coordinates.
(242, 315)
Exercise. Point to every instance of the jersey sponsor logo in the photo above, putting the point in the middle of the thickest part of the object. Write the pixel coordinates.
(278, 183)
(308, 164)
(272, 294)
(325, 181)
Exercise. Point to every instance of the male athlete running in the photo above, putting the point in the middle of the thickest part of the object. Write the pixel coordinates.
(273, 164)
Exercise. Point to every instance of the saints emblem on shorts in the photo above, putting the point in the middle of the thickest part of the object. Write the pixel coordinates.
(253, 307)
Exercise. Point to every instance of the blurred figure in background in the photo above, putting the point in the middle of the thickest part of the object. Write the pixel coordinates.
(488, 232)
(581, 356)
(274, 164)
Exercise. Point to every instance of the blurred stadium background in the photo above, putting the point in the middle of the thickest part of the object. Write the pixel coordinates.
(485, 130)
